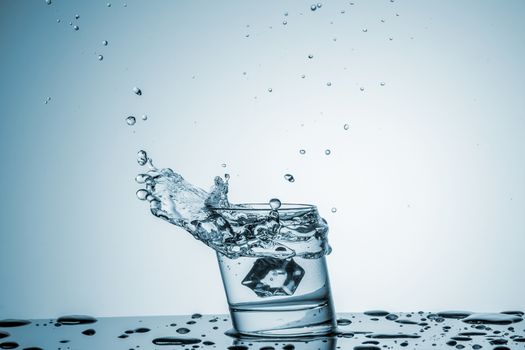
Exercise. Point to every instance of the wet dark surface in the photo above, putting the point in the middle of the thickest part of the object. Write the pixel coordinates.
(372, 330)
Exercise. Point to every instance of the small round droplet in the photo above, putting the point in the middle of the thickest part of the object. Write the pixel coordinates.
(286, 13)
(362, 88)
(333, 210)
(58, 20)
(77, 16)
(144, 117)
(131, 120)
(285, 22)
(310, 56)
(319, 5)
(142, 194)
(365, 30)
(313, 7)
(142, 157)
(327, 152)
(105, 42)
(270, 89)
(346, 126)
(303, 76)
(382, 83)
(48, 2)
(275, 203)
(76, 28)
(223, 165)
(302, 151)
(108, 4)
(289, 177)
(100, 57)
(137, 91)
(329, 83)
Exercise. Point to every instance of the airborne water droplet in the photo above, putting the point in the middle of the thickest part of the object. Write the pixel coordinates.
(289, 177)
(137, 91)
(329, 83)
(100, 57)
(327, 152)
(142, 157)
(48, 2)
(346, 127)
(382, 83)
(76, 28)
(334, 209)
(285, 22)
(131, 120)
(77, 16)
(310, 56)
(275, 203)
(313, 7)
(144, 117)
(270, 89)
(105, 42)
(362, 88)
(108, 4)
(302, 151)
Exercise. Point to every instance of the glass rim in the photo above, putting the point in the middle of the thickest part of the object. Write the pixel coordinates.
(266, 207)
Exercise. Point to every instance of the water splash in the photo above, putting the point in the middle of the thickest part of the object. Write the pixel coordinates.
(251, 230)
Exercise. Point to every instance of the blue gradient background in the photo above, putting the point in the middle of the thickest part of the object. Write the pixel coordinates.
(428, 182)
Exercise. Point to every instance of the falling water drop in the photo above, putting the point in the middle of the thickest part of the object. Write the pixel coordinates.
(131, 120)
(137, 91)
(105, 42)
(270, 89)
(313, 7)
(333, 210)
(302, 151)
(76, 28)
(382, 83)
(346, 127)
(275, 203)
(362, 88)
(310, 56)
(327, 152)
(77, 16)
(365, 30)
(100, 57)
(329, 83)
(285, 22)
(142, 157)
(289, 177)
(144, 117)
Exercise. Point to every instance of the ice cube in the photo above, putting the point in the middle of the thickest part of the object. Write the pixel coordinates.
(274, 277)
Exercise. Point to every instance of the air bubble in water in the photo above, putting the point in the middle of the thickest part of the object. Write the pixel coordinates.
(302, 151)
(105, 42)
(333, 210)
(131, 120)
(327, 152)
(100, 57)
(275, 203)
(137, 91)
(289, 177)
(346, 127)
(76, 28)
(142, 157)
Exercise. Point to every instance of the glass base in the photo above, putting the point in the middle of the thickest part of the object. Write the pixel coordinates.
(294, 321)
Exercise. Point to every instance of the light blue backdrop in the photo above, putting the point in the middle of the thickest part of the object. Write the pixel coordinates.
(428, 181)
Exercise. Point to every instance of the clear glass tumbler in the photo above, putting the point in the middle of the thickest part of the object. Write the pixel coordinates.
(274, 297)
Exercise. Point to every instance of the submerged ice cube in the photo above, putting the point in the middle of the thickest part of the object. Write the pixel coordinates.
(274, 277)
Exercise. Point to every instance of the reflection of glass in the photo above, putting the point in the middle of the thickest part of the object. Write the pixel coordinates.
(275, 296)
(313, 343)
